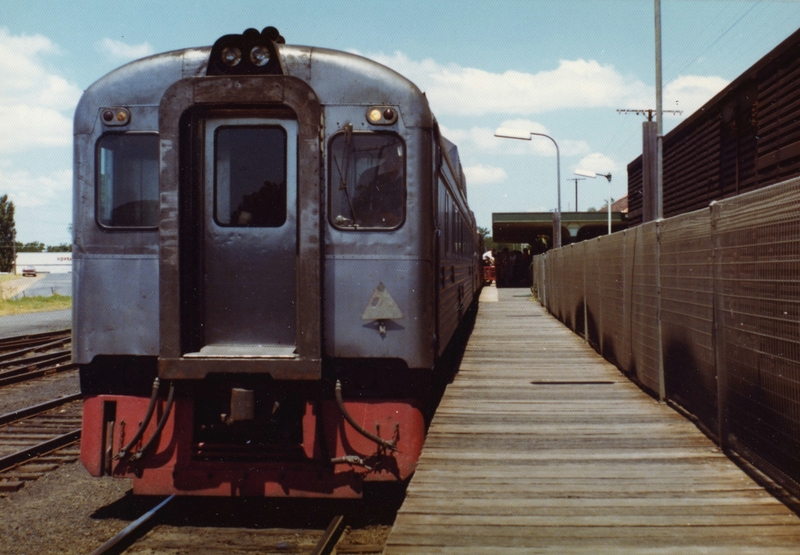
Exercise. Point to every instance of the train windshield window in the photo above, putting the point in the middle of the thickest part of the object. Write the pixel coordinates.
(127, 180)
(367, 180)
(250, 176)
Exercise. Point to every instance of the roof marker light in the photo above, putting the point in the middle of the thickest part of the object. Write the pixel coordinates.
(381, 115)
(115, 116)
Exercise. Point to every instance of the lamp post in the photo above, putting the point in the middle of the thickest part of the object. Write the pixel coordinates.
(587, 173)
(526, 136)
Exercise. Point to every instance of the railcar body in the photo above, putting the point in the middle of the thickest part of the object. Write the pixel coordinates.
(272, 251)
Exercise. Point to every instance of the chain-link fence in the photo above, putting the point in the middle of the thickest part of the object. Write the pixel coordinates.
(702, 309)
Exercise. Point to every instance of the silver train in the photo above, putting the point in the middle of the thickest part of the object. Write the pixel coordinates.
(272, 252)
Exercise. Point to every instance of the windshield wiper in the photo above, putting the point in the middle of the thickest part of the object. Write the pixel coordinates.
(348, 134)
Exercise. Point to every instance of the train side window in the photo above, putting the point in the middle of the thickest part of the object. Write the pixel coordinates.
(127, 180)
(250, 176)
(367, 181)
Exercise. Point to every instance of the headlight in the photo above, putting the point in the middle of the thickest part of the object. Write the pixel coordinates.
(231, 56)
(251, 53)
(260, 56)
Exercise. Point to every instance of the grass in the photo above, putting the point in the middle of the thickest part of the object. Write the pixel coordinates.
(34, 304)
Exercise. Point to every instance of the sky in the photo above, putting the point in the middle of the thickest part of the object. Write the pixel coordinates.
(558, 67)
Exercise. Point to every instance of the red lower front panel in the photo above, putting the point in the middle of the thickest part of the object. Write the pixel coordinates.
(173, 464)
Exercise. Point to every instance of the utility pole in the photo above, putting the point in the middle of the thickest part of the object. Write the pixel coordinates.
(649, 161)
(576, 179)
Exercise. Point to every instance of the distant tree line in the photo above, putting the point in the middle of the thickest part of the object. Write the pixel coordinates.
(36, 246)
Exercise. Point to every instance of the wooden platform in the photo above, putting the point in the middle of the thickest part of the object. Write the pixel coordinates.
(541, 446)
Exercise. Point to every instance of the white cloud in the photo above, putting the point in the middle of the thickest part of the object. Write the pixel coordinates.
(35, 104)
(457, 90)
(119, 50)
(690, 92)
(483, 139)
(599, 163)
(483, 175)
(24, 127)
(453, 89)
(27, 190)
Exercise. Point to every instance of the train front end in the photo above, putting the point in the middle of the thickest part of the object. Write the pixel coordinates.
(208, 316)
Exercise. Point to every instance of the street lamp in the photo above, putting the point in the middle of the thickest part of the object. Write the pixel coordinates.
(587, 173)
(526, 136)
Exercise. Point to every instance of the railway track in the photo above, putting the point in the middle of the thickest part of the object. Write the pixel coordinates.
(235, 526)
(33, 340)
(37, 439)
(223, 540)
(20, 362)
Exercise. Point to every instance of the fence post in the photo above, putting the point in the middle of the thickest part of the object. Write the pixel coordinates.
(600, 313)
(544, 280)
(717, 337)
(585, 301)
(662, 387)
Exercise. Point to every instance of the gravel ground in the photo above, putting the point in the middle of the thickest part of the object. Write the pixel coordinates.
(69, 512)
(191, 540)
(26, 394)
(211, 526)
(66, 512)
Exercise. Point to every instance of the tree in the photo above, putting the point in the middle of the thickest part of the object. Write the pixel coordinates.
(33, 246)
(486, 234)
(7, 234)
(63, 247)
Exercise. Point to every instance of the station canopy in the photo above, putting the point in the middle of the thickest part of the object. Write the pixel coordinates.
(536, 228)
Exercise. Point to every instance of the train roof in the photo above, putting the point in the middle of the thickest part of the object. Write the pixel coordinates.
(338, 78)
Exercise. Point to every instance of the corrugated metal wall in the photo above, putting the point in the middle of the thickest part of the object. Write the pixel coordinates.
(728, 338)
(745, 138)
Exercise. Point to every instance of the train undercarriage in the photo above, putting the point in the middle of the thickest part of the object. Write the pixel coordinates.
(248, 435)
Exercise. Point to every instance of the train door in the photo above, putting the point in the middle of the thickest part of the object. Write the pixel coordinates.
(249, 237)
(240, 228)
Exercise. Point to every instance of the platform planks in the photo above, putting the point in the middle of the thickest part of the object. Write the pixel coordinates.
(541, 446)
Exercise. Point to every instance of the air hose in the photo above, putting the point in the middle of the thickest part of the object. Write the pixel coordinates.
(161, 423)
(386, 444)
(148, 415)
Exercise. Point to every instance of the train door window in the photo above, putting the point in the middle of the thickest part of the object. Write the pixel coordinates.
(127, 180)
(250, 176)
(367, 181)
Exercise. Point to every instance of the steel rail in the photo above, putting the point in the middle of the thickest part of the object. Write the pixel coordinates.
(23, 375)
(134, 527)
(36, 409)
(40, 449)
(20, 353)
(28, 361)
(32, 338)
(329, 539)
